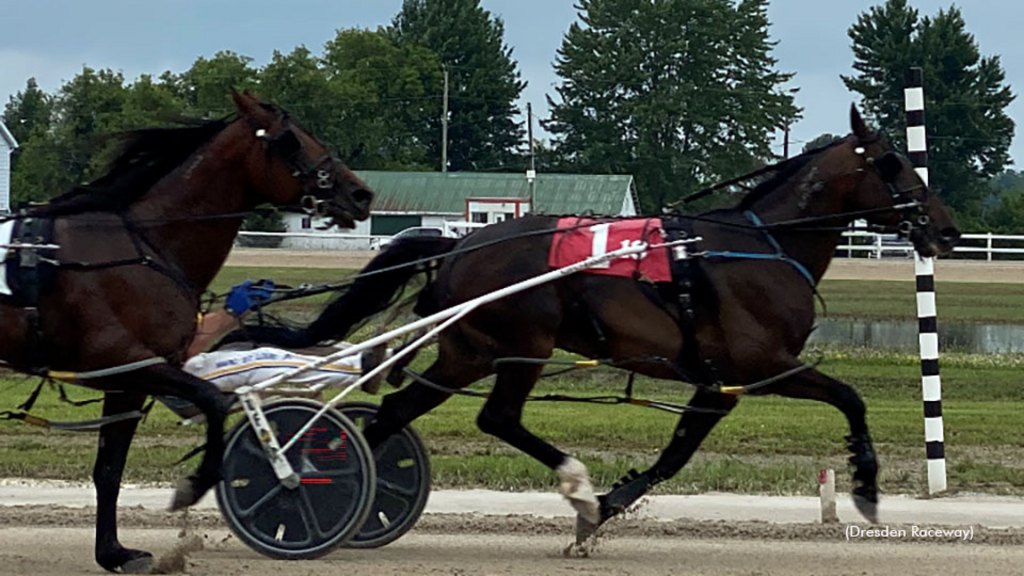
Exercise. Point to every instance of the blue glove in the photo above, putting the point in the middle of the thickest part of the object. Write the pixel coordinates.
(248, 295)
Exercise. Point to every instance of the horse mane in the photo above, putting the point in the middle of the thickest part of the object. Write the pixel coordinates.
(780, 172)
(143, 157)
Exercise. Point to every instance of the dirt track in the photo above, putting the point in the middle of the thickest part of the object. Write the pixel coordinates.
(461, 544)
(841, 269)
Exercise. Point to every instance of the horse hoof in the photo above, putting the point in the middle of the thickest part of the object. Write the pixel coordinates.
(126, 561)
(184, 495)
(140, 565)
(867, 505)
(584, 529)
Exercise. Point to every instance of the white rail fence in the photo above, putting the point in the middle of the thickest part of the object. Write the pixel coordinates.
(973, 246)
(854, 244)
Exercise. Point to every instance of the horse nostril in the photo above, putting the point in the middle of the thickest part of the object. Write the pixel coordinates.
(950, 234)
(362, 197)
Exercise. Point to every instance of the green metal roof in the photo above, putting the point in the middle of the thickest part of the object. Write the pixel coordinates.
(441, 193)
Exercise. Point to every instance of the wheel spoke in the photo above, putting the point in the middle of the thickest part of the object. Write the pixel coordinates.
(270, 495)
(339, 472)
(394, 489)
(253, 448)
(308, 512)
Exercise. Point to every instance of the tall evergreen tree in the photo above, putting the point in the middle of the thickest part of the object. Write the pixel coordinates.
(969, 132)
(484, 80)
(677, 92)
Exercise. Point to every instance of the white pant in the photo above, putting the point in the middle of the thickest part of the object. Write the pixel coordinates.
(231, 369)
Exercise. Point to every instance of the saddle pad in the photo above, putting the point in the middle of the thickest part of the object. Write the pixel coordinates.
(583, 238)
(6, 231)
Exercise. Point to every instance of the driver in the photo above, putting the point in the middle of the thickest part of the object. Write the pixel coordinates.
(230, 369)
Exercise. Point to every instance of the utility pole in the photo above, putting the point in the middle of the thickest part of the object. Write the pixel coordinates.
(785, 142)
(531, 174)
(444, 125)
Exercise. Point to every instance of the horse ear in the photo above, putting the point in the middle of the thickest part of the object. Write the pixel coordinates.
(857, 125)
(246, 104)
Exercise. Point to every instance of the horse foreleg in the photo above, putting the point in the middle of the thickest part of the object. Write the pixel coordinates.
(690, 432)
(501, 416)
(167, 380)
(813, 385)
(115, 440)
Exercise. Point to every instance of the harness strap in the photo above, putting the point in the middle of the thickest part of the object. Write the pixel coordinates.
(112, 371)
(79, 426)
(779, 254)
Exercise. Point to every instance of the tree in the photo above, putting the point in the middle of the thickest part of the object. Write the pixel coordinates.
(385, 100)
(28, 112)
(679, 93)
(206, 86)
(821, 140)
(484, 80)
(298, 82)
(969, 132)
(149, 103)
(265, 219)
(86, 108)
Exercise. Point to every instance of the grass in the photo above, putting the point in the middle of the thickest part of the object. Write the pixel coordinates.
(956, 301)
(767, 445)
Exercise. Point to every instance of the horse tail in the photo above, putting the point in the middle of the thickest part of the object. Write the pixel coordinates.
(368, 295)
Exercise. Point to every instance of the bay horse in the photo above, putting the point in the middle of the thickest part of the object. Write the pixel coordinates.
(137, 249)
(751, 316)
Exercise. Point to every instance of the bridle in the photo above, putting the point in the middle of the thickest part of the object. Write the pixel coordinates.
(316, 176)
(913, 213)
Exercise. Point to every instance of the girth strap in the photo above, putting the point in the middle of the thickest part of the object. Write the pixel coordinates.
(684, 270)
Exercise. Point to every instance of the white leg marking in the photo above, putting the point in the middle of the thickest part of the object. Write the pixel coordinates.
(576, 487)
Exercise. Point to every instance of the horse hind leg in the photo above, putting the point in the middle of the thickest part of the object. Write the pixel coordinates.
(166, 380)
(400, 408)
(693, 427)
(501, 416)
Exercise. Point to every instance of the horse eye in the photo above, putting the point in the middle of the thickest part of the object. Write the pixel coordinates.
(287, 143)
(889, 165)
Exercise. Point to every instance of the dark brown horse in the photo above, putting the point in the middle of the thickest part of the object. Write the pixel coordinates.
(138, 248)
(751, 317)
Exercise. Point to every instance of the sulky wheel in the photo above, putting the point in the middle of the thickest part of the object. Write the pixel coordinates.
(403, 482)
(330, 503)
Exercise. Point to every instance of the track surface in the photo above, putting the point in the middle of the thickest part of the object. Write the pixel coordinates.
(513, 548)
(841, 268)
(46, 529)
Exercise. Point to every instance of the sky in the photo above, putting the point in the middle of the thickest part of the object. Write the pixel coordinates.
(52, 39)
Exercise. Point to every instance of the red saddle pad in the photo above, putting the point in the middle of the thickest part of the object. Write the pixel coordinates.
(584, 237)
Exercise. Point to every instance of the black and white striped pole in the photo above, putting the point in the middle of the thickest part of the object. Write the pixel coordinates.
(931, 384)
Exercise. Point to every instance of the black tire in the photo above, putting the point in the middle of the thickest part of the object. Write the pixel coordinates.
(311, 520)
(403, 482)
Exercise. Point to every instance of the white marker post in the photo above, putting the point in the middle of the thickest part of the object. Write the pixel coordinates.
(827, 491)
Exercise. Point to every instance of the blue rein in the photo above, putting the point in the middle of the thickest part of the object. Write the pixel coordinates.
(779, 254)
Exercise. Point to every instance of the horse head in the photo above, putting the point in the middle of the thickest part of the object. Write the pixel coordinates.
(288, 166)
(888, 185)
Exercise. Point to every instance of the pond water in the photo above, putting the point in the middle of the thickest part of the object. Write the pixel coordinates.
(902, 335)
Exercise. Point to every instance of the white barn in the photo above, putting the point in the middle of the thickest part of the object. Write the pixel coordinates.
(7, 145)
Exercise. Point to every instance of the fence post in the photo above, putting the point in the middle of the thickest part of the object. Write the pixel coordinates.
(928, 338)
(988, 247)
